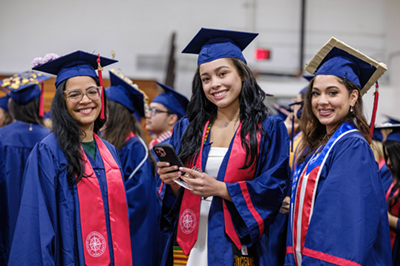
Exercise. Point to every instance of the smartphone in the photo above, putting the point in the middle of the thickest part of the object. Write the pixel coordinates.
(166, 153)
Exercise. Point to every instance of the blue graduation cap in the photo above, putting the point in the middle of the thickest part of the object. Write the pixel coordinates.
(339, 59)
(75, 64)
(377, 134)
(212, 44)
(4, 103)
(395, 134)
(24, 87)
(175, 102)
(126, 94)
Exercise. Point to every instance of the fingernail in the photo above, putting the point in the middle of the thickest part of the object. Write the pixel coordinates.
(167, 164)
(175, 167)
(180, 168)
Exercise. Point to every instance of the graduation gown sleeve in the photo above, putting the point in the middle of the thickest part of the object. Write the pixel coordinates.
(257, 201)
(35, 235)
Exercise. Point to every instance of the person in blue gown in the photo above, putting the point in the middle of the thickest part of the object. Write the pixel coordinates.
(20, 136)
(4, 240)
(124, 131)
(392, 157)
(338, 214)
(5, 116)
(164, 111)
(236, 162)
(73, 208)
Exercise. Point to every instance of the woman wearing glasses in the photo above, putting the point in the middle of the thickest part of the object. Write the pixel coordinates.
(73, 208)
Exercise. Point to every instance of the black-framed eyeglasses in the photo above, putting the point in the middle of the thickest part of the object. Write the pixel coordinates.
(153, 111)
(93, 93)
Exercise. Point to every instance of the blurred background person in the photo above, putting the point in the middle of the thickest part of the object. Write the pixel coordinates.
(20, 136)
(5, 116)
(126, 102)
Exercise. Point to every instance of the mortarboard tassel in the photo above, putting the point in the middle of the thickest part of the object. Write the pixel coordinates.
(99, 71)
(41, 104)
(376, 98)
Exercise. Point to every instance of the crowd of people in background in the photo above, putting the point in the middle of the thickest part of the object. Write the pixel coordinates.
(309, 186)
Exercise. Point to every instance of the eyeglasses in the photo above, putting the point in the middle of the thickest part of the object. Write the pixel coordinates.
(75, 96)
(153, 111)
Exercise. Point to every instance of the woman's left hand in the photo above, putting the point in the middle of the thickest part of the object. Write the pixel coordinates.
(204, 185)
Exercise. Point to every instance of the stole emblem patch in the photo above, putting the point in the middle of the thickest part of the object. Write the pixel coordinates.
(187, 221)
(95, 244)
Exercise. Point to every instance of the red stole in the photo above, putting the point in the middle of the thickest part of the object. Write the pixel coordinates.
(93, 221)
(394, 210)
(188, 223)
(130, 135)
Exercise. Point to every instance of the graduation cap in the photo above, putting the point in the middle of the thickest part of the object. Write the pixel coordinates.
(395, 134)
(75, 64)
(24, 87)
(309, 78)
(124, 92)
(212, 44)
(339, 59)
(4, 103)
(175, 102)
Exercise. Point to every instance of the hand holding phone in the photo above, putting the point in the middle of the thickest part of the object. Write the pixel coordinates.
(166, 153)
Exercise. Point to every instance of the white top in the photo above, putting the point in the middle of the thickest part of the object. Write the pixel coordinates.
(198, 254)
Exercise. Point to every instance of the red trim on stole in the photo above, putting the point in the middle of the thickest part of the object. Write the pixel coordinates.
(190, 207)
(307, 206)
(93, 223)
(328, 258)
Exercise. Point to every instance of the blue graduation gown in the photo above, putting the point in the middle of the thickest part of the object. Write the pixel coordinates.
(4, 245)
(48, 230)
(266, 191)
(19, 138)
(143, 203)
(349, 219)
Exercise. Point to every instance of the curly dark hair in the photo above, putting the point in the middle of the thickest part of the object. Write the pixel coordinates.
(314, 133)
(69, 133)
(200, 110)
(392, 152)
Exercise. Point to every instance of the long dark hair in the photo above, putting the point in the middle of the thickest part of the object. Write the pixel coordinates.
(314, 133)
(119, 123)
(69, 133)
(392, 152)
(28, 113)
(252, 113)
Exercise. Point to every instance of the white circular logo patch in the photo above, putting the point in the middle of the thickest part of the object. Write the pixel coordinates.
(187, 221)
(95, 244)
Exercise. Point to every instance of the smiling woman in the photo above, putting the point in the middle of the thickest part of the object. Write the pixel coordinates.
(240, 156)
(338, 211)
(74, 178)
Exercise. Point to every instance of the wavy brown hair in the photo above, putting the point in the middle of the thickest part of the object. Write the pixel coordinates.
(314, 133)
(119, 123)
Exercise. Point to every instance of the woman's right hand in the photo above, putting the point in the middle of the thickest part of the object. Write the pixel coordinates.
(168, 177)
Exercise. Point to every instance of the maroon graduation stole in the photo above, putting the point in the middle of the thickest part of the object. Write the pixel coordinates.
(190, 208)
(394, 210)
(93, 221)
